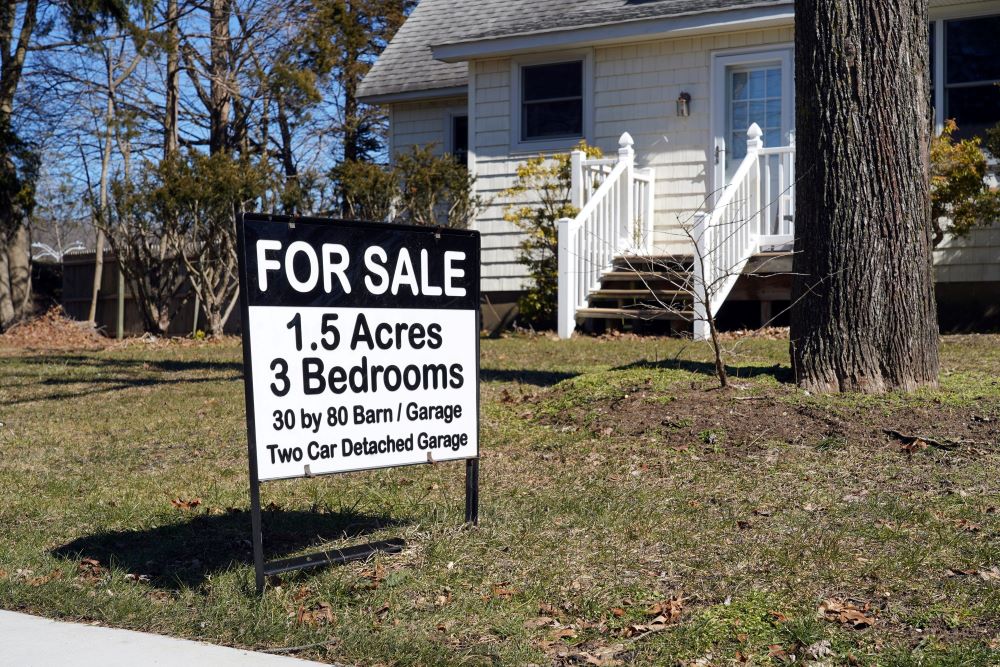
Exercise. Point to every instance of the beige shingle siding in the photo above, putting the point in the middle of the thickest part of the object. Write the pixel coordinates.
(974, 258)
(424, 123)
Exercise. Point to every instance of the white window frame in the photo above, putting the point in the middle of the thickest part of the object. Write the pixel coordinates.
(783, 52)
(549, 144)
(937, 19)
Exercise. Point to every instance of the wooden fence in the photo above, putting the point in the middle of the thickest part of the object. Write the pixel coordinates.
(118, 312)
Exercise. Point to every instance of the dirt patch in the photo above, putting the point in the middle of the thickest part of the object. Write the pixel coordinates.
(53, 331)
(691, 415)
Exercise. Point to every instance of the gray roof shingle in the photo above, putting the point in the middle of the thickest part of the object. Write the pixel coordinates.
(408, 66)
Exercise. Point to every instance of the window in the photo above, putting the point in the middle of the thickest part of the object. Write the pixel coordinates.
(552, 101)
(460, 138)
(755, 96)
(972, 74)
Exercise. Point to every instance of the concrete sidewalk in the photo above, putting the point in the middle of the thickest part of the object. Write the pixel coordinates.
(30, 641)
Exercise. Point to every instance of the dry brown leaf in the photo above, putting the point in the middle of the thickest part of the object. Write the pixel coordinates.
(669, 609)
(563, 633)
(599, 657)
(546, 609)
(375, 574)
(540, 622)
(182, 504)
(846, 612)
(967, 526)
(639, 629)
(320, 613)
(959, 572)
(617, 612)
(992, 574)
(45, 578)
(778, 616)
(160, 596)
(500, 592)
(89, 569)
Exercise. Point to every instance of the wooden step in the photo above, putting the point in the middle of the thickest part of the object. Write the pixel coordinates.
(651, 264)
(646, 275)
(644, 314)
(648, 293)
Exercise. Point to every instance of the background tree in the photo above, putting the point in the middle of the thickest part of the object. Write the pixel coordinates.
(20, 32)
(865, 317)
(345, 38)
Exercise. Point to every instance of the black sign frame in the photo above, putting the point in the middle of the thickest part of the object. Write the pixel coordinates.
(263, 568)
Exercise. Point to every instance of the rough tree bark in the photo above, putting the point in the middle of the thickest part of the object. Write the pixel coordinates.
(15, 239)
(220, 81)
(171, 140)
(864, 316)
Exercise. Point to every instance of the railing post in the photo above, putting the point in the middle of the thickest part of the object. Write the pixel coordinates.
(649, 220)
(576, 159)
(701, 277)
(567, 279)
(626, 155)
(760, 210)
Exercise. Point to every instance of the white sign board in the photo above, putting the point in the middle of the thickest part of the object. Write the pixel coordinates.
(361, 345)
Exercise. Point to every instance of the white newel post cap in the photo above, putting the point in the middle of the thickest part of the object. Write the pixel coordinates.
(754, 135)
(625, 144)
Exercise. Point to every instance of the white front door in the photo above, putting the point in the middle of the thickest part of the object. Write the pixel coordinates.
(754, 87)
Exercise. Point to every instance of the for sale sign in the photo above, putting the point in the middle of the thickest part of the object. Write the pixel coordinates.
(361, 345)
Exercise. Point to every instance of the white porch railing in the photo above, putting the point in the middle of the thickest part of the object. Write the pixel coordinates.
(777, 177)
(756, 210)
(615, 203)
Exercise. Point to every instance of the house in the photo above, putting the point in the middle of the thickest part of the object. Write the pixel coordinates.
(693, 102)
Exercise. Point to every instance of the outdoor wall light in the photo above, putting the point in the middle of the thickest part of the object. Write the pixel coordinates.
(684, 105)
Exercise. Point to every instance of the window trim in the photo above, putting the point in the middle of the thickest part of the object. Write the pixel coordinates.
(517, 144)
(937, 19)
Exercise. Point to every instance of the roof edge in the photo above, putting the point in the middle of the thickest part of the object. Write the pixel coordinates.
(678, 25)
(415, 95)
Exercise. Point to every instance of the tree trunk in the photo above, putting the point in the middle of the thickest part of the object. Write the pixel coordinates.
(19, 271)
(864, 316)
(172, 97)
(220, 84)
(6, 301)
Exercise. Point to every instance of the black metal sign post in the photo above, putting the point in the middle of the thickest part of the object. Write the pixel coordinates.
(360, 351)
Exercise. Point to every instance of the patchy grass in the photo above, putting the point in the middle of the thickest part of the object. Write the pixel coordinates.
(615, 480)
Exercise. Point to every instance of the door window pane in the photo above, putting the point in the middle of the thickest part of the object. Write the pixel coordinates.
(754, 97)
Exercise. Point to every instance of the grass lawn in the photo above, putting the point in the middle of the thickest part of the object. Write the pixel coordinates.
(630, 513)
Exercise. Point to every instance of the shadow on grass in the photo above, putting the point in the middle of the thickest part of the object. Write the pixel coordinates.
(782, 374)
(121, 374)
(523, 376)
(154, 365)
(187, 553)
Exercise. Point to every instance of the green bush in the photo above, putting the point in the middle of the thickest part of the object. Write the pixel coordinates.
(961, 199)
(421, 188)
(545, 183)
